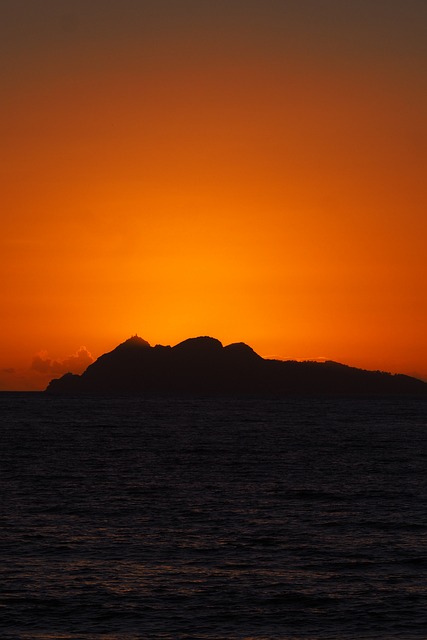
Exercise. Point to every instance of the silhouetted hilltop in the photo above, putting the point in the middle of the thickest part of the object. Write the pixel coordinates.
(204, 365)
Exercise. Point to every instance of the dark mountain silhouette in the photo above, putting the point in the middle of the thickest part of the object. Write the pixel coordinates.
(203, 365)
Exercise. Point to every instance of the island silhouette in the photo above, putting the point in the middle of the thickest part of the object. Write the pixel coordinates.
(204, 365)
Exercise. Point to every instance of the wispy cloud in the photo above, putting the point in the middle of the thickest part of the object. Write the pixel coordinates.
(76, 363)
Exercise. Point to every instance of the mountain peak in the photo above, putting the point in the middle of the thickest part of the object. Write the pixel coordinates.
(240, 349)
(135, 341)
(199, 344)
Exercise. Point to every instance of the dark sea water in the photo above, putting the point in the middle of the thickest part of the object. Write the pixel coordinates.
(198, 518)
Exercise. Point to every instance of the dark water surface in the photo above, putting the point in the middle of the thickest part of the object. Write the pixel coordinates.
(172, 519)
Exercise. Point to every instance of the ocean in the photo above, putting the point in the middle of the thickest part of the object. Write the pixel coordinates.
(172, 518)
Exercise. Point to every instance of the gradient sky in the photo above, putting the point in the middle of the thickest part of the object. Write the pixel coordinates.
(254, 170)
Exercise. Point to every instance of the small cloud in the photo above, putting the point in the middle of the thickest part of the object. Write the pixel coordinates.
(8, 370)
(76, 363)
(41, 363)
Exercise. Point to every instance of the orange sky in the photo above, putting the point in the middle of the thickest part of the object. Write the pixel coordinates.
(250, 170)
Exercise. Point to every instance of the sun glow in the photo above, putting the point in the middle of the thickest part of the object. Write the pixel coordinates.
(251, 192)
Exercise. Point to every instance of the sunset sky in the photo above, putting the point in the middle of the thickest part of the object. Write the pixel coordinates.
(253, 170)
